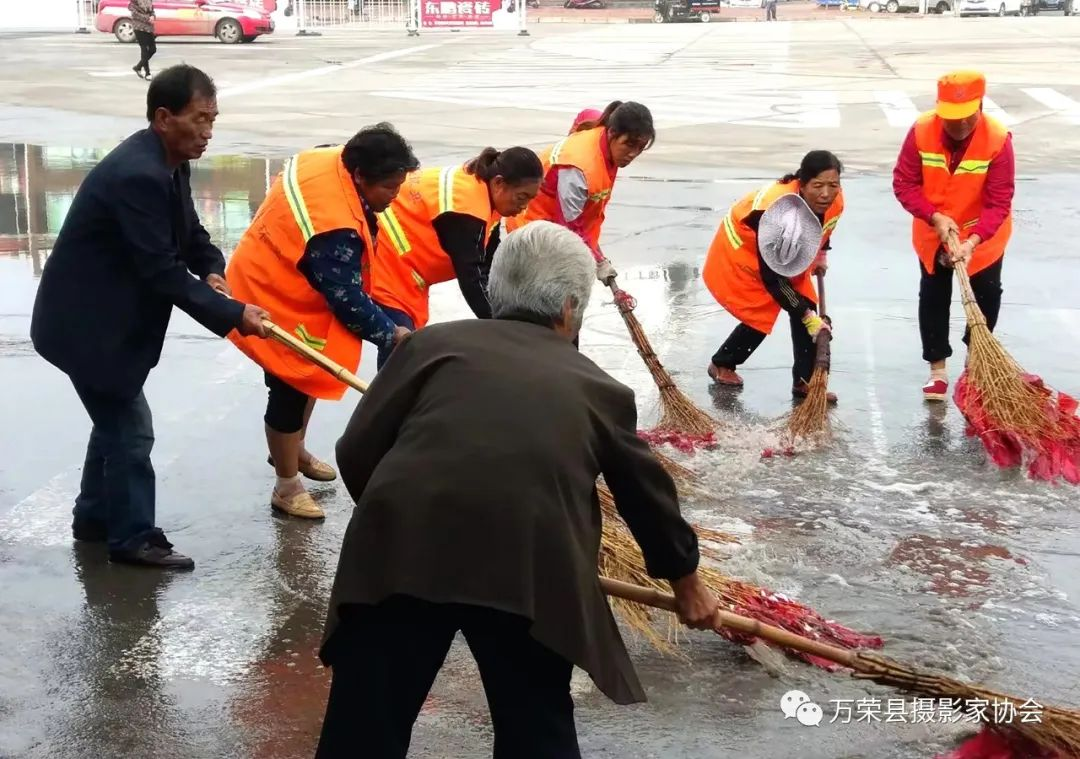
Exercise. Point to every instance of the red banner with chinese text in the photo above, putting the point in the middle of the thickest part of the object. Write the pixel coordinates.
(457, 13)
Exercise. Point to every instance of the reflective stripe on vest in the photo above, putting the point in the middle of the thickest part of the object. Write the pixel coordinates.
(398, 238)
(296, 200)
(936, 160)
(939, 161)
(730, 230)
(446, 189)
(830, 224)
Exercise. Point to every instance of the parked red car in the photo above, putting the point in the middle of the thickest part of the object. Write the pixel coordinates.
(228, 21)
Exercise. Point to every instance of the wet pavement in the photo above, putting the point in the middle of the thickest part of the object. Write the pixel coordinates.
(899, 527)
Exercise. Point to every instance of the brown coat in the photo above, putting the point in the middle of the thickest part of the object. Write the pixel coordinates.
(473, 460)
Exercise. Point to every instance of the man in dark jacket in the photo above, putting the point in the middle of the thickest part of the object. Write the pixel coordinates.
(473, 461)
(123, 258)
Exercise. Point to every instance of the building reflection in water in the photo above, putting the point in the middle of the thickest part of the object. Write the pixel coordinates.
(38, 184)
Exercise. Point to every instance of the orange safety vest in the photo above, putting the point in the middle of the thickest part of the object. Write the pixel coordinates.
(731, 271)
(411, 258)
(958, 195)
(583, 151)
(313, 194)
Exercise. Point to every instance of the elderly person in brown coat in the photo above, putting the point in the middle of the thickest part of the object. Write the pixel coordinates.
(473, 462)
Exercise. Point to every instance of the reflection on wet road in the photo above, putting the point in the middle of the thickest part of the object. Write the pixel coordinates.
(898, 527)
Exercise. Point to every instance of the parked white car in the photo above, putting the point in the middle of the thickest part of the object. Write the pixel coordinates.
(989, 7)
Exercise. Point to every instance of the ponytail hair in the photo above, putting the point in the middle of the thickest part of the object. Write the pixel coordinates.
(813, 163)
(515, 165)
(627, 118)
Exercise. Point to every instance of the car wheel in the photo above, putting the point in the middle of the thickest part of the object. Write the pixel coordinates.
(228, 31)
(892, 6)
(705, 17)
(874, 7)
(942, 8)
(124, 30)
(658, 18)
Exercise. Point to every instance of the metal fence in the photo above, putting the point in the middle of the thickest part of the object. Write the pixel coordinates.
(318, 14)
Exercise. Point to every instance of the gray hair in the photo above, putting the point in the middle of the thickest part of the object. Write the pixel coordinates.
(537, 269)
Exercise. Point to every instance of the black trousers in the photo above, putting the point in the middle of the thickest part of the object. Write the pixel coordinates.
(935, 299)
(385, 658)
(147, 48)
(744, 340)
(285, 406)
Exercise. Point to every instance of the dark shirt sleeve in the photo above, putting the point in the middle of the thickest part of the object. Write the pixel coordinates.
(144, 217)
(998, 192)
(373, 427)
(907, 181)
(331, 264)
(462, 237)
(790, 299)
(202, 256)
(645, 497)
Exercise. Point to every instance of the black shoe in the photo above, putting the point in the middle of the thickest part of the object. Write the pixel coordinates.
(89, 531)
(155, 552)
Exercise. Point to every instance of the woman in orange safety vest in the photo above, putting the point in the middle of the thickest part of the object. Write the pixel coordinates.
(307, 255)
(438, 228)
(580, 171)
(740, 280)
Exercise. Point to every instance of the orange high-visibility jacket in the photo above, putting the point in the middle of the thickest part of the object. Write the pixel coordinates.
(583, 151)
(958, 195)
(313, 194)
(410, 257)
(731, 271)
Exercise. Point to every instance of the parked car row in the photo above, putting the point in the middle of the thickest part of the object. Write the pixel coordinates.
(229, 22)
(977, 7)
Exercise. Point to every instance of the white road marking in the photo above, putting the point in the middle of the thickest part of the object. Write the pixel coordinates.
(999, 113)
(899, 109)
(1051, 98)
(877, 426)
(271, 81)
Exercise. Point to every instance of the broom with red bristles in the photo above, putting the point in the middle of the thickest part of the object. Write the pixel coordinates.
(1014, 727)
(1015, 415)
(682, 424)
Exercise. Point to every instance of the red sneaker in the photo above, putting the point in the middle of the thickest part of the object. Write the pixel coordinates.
(935, 389)
(724, 376)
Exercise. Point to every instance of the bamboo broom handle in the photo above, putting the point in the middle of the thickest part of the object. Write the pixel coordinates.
(821, 293)
(967, 295)
(305, 350)
(660, 600)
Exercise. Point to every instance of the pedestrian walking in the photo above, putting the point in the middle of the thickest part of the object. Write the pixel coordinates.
(770, 10)
(124, 257)
(307, 255)
(956, 174)
(142, 19)
(489, 537)
(437, 229)
(754, 280)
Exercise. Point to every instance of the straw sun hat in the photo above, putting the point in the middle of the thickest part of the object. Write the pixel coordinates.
(789, 235)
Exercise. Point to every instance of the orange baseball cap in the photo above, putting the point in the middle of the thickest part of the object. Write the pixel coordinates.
(959, 94)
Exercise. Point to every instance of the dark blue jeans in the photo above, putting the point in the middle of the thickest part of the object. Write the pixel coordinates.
(401, 319)
(117, 488)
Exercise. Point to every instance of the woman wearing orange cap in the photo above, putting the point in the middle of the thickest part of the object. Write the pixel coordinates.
(956, 174)
(437, 229)
(754, 276)
(580, 173)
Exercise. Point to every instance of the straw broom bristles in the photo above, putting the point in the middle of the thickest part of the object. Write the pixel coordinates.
(679, 416)
(1057, 729)
(1013, 412)
(809, 419)
(620, 558)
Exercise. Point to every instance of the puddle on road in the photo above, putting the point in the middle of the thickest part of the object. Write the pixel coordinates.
(910, 539)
